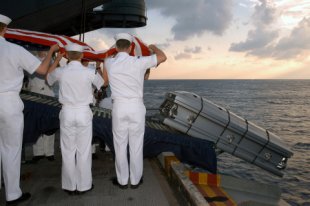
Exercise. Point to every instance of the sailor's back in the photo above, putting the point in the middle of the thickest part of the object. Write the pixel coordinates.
(75, 83)
(14, 59)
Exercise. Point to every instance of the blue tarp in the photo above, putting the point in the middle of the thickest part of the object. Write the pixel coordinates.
(43, 119)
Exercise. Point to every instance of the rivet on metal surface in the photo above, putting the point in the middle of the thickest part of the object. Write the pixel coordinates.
(230, 138)
(267, 155)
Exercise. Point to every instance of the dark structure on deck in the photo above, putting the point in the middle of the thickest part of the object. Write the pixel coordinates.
(73, 17)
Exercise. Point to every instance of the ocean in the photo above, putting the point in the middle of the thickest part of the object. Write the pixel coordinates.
(281, 106)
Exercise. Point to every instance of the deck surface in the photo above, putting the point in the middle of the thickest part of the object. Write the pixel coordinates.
(43, 181)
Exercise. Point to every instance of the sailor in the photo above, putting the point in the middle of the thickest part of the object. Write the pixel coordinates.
(45, 144)
(13, 59)
(75, 95)
(126, 76)
(85, 63)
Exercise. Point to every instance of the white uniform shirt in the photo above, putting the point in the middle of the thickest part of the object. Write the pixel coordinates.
(14, 59)
(126, 74)
(75, 83)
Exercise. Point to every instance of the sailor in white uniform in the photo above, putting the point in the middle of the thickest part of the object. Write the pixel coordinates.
(13, 59)
(85, 62)
(75, 95)
(45, 144)
(126, 77)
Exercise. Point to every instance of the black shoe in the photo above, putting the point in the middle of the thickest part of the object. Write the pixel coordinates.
(50, 158)
(83, 192)
(70, 192)
(115, 182)
(137, 185)
(24, 197)
(35, 159)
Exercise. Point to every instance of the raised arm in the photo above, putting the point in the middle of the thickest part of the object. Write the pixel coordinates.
(44, 66)
(55, 63)
(161, 56)
(105, 77)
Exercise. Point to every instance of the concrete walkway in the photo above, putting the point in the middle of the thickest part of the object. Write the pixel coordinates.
(43, 181)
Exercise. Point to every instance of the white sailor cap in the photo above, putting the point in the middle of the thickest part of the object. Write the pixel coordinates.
(4, 19)
(125, 36)
(74, 47)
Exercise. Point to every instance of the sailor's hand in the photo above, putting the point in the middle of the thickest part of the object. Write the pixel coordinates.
(161, 56)
(54, 48)
(98, 64)
(59, 56)
(152, 47)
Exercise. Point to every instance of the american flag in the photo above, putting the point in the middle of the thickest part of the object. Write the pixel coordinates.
(23, 37)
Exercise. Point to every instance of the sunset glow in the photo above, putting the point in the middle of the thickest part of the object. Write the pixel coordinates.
(241, 39)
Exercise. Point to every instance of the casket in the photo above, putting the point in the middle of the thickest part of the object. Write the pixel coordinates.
(200, 118)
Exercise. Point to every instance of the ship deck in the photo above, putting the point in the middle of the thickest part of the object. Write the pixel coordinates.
(43, 181)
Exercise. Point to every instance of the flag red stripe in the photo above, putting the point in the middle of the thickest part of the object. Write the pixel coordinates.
(51, 39)
(63, 39)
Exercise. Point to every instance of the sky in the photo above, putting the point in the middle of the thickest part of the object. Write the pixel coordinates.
(224, 39)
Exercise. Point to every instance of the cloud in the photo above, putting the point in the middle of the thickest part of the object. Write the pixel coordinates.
(183, 56)
(261, 36)
(97, 43)
(188, 51)
(257, 39)
(265, 42)
(163, 45)
(294, 10)
(264, 14)
(296, 43)
(243, 5)
(193, 18)
(195, 50)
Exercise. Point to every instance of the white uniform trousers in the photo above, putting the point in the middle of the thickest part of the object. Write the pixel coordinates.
(75, 142)
(11, 137)
(44, 145)
(128, 125)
